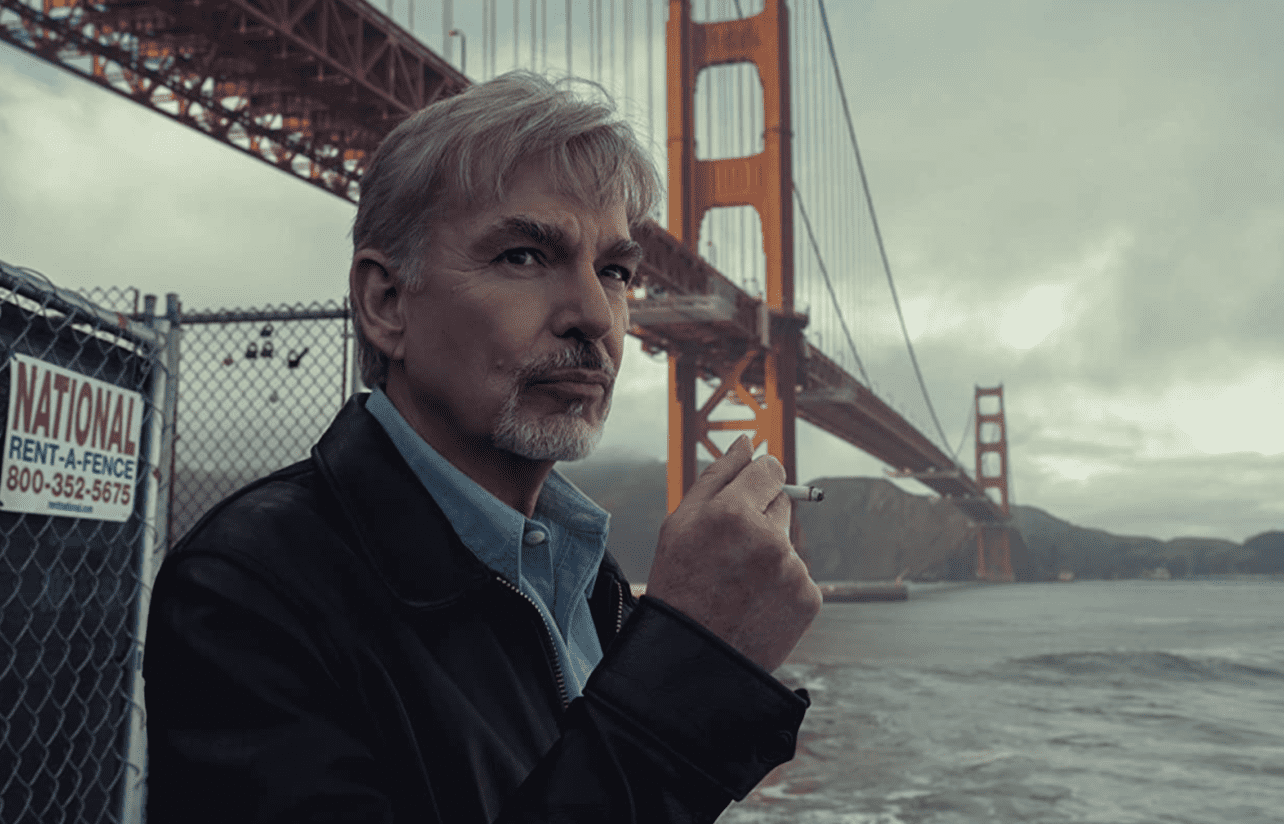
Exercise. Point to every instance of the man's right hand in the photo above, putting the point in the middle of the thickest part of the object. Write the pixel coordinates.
(724, 558)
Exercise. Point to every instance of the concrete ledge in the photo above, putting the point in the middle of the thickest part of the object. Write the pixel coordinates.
(853, 591)
(841, 591)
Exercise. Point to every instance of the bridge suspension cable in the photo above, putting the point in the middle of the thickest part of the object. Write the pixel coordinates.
(830, 221)
(175, 61)
(811, 236)
(878, 235)
(967, 428)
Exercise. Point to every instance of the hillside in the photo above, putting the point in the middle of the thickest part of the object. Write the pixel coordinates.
(869, 529)
(1055, 544)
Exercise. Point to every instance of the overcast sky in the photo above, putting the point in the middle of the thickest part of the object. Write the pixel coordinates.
(1081, 200)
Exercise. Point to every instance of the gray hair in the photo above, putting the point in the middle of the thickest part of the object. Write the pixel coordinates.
(459, 152)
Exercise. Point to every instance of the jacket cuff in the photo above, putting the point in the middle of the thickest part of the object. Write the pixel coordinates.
(698, 697)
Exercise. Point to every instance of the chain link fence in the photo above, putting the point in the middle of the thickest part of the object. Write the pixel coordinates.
(88, 401)
(259, 387)
(122, 299)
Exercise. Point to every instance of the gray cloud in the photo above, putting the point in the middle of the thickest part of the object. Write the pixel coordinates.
(97, 190)
(1224, 496)
(1127, 156)
(1007, 143)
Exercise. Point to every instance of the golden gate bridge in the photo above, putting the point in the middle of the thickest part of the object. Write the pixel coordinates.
(771, 238)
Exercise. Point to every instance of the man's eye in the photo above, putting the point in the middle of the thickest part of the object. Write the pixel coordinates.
(521, 257)
(618, 273)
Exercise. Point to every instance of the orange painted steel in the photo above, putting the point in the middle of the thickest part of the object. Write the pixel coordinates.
(309, 86)
(994, 554)
(763, 181)
(991, 541)
(312, 86)
(692, 308)
(997, 446)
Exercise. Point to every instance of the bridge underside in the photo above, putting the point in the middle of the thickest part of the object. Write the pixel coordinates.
(312, 86)
(309, 86)
(691, 307)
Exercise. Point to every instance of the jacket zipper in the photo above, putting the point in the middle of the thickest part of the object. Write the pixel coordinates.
(619, 606)
(548, 644)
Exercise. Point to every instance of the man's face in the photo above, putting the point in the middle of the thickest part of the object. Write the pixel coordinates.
(516, 334)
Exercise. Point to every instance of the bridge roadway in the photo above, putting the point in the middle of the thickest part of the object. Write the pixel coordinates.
(312, 86)
(690, 306)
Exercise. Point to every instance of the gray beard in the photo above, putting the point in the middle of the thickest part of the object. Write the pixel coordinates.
(563, 436)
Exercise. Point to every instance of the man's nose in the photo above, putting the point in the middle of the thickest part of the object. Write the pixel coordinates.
(584, 311)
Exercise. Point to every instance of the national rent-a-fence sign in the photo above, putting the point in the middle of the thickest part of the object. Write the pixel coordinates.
(71, 443)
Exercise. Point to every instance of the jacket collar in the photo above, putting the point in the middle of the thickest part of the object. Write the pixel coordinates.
(396, 523)
(398, 526)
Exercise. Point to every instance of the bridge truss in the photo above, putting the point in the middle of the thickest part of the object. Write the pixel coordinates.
(312, 86)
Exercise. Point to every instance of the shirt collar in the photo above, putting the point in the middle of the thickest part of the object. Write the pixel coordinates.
(491, 529)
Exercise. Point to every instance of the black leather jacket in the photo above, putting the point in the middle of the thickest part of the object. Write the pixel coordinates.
(322, 647)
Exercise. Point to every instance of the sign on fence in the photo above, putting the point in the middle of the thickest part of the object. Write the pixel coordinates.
(71, 443)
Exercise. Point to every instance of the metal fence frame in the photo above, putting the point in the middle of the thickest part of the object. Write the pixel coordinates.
(168, 500)
(224, 361)
(149, 345)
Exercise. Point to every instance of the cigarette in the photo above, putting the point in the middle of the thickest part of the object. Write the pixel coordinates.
(804, 493)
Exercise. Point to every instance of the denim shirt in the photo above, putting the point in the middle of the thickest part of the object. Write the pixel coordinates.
(552, 558)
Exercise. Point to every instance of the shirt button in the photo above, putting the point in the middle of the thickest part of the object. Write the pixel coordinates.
(535, 536)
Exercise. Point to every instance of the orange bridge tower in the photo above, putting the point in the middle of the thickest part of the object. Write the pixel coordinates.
(993, 544)
(763, 181)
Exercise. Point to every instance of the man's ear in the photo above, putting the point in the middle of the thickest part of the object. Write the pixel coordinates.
(376, 301)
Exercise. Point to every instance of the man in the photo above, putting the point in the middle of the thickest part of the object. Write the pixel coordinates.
(420, 623)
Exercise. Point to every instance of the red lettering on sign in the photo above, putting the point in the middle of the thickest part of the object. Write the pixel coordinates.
(84, 412)
(97, 417)
(26, 395)
(71, 410)
(102, 409)
(61, 384)
(131, 447)
(115, 436)
(42, 409)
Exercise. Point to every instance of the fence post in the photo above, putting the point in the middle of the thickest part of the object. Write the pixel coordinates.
(152, 546)
(174, 315)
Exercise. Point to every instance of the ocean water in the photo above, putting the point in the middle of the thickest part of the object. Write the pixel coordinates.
(1110, 702)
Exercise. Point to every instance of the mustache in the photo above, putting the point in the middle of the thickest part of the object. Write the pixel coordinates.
(584, 356)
